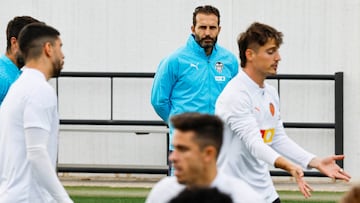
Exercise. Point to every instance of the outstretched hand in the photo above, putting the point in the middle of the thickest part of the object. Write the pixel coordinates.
(329, 167)
(297, 172)
(304, 187)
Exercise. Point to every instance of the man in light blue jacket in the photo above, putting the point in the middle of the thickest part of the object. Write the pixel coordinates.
(12, 61)
(191, 78)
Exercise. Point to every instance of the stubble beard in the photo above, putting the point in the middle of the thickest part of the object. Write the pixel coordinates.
(204, 45)
(57, 67)
(208, 47)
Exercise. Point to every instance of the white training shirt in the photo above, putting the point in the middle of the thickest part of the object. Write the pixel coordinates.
(240, 192)
(254, 136)
(31, 103)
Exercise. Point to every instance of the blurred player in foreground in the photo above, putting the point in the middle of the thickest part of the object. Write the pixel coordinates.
(197, 141)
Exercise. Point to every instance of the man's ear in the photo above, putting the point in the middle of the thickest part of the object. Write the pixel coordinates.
(13, 40)
(209, 153)
(249, 54)
(14, 44)
(48, 48)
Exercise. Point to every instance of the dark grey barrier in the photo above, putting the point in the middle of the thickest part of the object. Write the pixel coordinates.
(337, 125)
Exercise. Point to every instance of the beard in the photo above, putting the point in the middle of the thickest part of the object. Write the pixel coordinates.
(20, 62)
(206, 42)
(57, 67)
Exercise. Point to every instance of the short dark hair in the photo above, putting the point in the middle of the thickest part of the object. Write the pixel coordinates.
(14, 27)
(33, 36)
(201, 195)
(257, 35)
(207, 9)
(208, 128)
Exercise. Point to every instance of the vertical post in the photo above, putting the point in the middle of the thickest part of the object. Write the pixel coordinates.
(111, 97)
(278, 82)
(57, 95)
(168, 152)
(339, 116)
(57, 86)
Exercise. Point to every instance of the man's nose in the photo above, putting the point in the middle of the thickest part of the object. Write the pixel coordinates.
(278, 57)
(207, 31)
(172, 156)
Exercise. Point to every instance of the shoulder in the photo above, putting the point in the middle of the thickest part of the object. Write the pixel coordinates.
(38, 89)
(178, 52)
(271, 90)
(270, 87)
(239, 190)
(45, 96)
(3, 60)
(167, 181)
(171, 59)
(175, 60)
(236, 90)
(223, 49)
(225, 52)
(164, 190)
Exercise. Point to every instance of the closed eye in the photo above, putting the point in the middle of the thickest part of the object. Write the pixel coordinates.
(271, 50)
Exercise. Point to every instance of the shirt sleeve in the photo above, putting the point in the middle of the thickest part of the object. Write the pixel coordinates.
(164, 81)
(237, 113)
(288, 148)
(40, 162)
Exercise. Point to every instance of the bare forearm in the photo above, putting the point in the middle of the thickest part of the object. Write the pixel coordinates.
(282, 163)
(296, 172)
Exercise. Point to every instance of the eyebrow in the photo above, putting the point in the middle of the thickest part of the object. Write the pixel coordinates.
(272, 48)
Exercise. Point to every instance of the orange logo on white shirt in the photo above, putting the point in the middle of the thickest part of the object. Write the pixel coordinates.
(272, 109)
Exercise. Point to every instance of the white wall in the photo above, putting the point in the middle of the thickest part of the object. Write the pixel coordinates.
(321, 37)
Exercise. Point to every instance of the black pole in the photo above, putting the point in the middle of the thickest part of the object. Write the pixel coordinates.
(339, 116)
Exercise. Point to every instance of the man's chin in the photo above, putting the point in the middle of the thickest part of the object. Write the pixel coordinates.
(181, 181)
(179, 178)
(207, 45)
(272, 73)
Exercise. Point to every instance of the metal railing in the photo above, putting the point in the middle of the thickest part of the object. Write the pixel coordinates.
(337, 125)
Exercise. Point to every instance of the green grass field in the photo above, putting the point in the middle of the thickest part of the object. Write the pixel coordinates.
(137, 195)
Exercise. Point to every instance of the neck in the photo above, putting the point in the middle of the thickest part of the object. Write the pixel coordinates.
(206, 178)
(208, 51)
(40, 66)
(258, 78)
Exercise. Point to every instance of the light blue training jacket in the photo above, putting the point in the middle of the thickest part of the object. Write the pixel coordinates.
(9, 72)
(190, 81)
